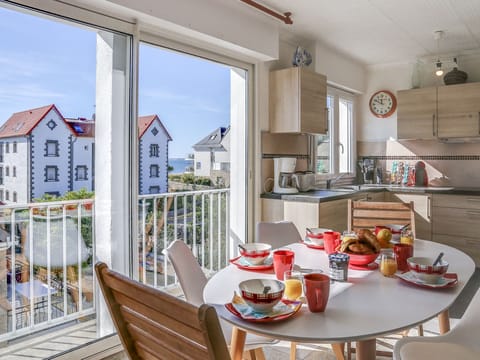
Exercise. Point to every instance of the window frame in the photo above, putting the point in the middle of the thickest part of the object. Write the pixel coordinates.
(78, 172)
(154, 150)
(56, 145)
(56, 173)
(335, 146)
(154, 171)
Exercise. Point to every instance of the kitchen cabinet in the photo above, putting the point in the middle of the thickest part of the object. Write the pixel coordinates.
(328, 214)
(456, 222)
(369, 196)
(298, 100)
(272, 210)
(416, 113)
(458, 108)
(451, 111)
(422, 204)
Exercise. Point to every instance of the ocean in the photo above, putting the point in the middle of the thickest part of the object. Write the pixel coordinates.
(179, 165)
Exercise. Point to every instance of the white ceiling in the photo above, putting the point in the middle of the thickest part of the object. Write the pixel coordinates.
(386, 31)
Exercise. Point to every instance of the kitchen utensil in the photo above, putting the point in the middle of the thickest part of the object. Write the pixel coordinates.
(438, 259)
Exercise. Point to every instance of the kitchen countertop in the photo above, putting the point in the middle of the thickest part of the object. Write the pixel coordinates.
(349, 190)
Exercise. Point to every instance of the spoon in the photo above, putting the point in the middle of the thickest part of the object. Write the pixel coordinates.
(310, 231)
(404, 227)
(437, 260)
(266, 289)
(242, 247)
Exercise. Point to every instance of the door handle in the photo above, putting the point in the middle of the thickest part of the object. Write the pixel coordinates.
(433, 125)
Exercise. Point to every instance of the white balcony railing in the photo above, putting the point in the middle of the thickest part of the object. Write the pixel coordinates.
(46, 265)
(200, 218)
(47, 253)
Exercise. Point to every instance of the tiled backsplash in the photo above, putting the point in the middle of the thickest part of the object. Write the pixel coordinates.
(460, 163)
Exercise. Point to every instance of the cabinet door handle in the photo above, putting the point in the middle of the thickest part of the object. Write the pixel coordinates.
(429, 203)
(327, 111)
(433, 125)
(474, 213)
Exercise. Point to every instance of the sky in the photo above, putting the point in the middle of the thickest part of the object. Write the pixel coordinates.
(46, 62)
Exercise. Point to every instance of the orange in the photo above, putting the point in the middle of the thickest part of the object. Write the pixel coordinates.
(384, 236)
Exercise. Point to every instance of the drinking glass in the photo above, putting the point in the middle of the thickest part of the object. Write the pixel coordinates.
(293, 284)
(388, 264)
(406, 237)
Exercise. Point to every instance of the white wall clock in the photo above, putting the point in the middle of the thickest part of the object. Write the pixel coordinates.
(383, 104)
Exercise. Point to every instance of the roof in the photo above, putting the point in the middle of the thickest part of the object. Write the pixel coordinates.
(82, 127)
(144, 123)
(212, 141)
(22, 123)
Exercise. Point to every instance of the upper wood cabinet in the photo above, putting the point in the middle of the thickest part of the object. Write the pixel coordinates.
(416, 113)
(458, 110)
(298, 101)
(451, 111)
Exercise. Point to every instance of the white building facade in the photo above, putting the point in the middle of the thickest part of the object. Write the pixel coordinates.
(153, 155)
(41, 152)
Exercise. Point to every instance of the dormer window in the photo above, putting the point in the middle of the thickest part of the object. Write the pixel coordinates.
(51, 148)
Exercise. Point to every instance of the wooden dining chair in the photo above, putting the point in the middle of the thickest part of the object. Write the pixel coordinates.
(155, 325)
(279, 234)
(368, 214)
(192, 280)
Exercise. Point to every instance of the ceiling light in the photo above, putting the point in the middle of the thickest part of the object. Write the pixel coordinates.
(437, 35)
(438, 68)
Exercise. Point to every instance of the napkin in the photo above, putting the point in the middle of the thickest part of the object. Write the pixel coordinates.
(247, 312)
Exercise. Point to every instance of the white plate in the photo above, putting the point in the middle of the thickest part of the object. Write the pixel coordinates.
(443, 282)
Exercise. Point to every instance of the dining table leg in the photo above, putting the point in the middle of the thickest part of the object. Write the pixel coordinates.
(237, 343)
(366, 349)
(444, 322)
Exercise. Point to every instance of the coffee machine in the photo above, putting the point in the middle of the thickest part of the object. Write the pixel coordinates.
(283, 172)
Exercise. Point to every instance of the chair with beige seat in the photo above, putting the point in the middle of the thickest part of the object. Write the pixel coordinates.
(155, 325)
(462, 342)
(192, 280)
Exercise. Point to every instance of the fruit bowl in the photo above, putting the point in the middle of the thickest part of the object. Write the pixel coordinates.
(423, 270)
(255, 253)
(362, 259)
(261, 294)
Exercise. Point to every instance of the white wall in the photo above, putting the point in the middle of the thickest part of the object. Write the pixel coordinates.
(340, 70)
(204, 158)
(82, 156)
(19, 183)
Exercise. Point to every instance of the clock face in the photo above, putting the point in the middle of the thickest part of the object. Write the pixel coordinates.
(383, 104)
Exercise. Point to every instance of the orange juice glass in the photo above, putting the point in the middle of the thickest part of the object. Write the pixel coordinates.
(293, 285)
(406, 237)
(388, 264)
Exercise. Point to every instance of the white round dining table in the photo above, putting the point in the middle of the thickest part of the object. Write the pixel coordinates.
(365, 307)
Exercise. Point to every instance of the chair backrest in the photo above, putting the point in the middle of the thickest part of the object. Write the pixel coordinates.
(189, 273)
(155, 325)
(368, 214)
(277, 234)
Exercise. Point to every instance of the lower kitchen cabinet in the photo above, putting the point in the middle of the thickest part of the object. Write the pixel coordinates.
(328, 214)
(456, 222)
(272, 210)
(423, 216)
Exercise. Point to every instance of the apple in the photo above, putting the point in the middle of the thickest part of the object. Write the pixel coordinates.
(384, 236)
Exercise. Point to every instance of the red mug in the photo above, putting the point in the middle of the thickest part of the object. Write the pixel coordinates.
(283, 260)
(331, 240)
(317, 290)
(402, 253)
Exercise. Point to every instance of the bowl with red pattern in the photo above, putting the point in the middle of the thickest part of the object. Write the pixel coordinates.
(424, 270)
(255, 253)
(262, 294)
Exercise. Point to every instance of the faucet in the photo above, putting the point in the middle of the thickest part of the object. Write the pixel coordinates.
(332, 181)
